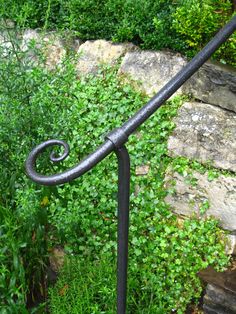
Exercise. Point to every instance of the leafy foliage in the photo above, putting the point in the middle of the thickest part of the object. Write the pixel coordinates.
(197, 21)
(85, 286)
(165, 255)
(12, 275)
(181, 25)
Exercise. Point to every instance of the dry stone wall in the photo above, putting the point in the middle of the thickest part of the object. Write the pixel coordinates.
(215, 84)
(151, 70)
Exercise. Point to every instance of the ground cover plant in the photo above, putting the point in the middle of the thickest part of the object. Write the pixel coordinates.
(181, 25)
(165, 254)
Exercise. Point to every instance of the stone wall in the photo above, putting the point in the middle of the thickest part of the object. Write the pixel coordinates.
(206, 132)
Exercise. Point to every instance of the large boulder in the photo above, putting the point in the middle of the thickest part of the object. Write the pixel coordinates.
(214, 83)
(93, 53)
(197, 195)
(205, 133)
(151, 70)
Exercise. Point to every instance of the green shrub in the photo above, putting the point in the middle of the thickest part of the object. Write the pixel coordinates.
(23, 122)
(181, 25)
(85, 286)
(12, 272)
(197, 22)
(165, 257)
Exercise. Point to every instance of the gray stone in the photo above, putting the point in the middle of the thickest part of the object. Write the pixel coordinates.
(29, 36)
(142, 170)
(219, 301)
(54, 50)
(6, 46)
(204, 198)
(231, 244)
(205, 133)
(151, 70)
(93, 53)
(215, 84)
(7, 23)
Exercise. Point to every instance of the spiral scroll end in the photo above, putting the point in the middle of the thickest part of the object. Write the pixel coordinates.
(31, 160)
(55, 158)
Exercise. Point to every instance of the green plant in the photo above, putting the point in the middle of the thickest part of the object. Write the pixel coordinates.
(12, 278)
(165, 257)
(85, 286)
(181, 25)
(197, 22)
(22, 121)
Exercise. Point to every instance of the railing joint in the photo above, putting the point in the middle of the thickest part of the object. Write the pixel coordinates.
(118, 137)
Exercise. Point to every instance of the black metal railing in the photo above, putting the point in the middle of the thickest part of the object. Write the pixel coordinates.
(115, 142)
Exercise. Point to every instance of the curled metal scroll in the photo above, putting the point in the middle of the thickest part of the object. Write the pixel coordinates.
(115, 140)
(85, 165)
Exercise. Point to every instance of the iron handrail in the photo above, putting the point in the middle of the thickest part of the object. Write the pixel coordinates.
(120, 135)
(115, 141)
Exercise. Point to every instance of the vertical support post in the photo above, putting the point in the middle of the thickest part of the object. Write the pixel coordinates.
(123, 226)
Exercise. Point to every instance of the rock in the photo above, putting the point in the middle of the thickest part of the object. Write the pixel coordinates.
(94, 53)
(29, 36)
(215, 198)
(6, 46)
(225, 280)
(142, 170)
(205, 133)
(56, 259)
(215, 84)
(6, 23)
(151, 70)
(231, 245)
(219, 301)
(7, 33)
(220, 297)
(137, 190)
(50, 44)
(54, 50)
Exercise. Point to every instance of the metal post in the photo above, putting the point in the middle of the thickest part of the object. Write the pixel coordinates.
(123, 227)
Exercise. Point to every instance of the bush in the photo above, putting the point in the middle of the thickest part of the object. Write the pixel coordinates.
(164, 259)
(12, 275)
(84, 286)
(182, 25)
(25, 119)
(197, 22)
